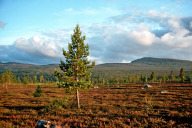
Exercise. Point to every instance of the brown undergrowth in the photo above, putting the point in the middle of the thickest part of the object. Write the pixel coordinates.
(125, 106)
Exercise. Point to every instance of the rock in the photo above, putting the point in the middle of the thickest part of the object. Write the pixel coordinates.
(43, 124)
(95, 86)
(46, 124)
(147, 86)
(163, 92)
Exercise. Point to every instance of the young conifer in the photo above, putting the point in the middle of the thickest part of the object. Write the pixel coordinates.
(76, 66)
(182, 75)
(172, 76)
(153, 77)
(38, 92)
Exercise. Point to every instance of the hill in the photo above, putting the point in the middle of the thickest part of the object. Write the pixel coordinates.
(22, 70)
(148, 63)
(140, 66)
(145, 66)
(162, 61)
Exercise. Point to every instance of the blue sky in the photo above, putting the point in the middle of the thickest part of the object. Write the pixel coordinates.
(35, 31)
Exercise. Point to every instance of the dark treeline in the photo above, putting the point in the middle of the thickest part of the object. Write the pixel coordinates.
(26, 77)
(122, 77)
(107, 78)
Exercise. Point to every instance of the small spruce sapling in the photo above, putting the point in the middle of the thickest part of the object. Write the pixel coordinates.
(38, 92)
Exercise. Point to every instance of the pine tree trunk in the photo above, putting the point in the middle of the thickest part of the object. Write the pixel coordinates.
(78, 105)
(76, 76)
(76, 79)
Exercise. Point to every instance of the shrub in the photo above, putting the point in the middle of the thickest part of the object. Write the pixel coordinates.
(66, 102)
(38, 92)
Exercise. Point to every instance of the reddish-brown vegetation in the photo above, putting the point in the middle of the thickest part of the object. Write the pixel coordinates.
(125, 106)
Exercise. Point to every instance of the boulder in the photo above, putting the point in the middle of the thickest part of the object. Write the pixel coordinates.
(45, 124)
(95, 86)
(147, 86)
(163, 92)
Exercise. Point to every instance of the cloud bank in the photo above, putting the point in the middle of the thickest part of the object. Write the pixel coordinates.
(122, 39)
(171, 37)
(34, 50)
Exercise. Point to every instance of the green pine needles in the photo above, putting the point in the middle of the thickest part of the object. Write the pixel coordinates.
(38, 92)
(76, 66)
(182, 75)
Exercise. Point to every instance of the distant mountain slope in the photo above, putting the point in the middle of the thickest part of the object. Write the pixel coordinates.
(25, 67)
(160, 61)
(140, 66)
(22, 70)
(146, 65)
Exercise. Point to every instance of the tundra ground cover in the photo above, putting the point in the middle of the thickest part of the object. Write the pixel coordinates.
(123, 106)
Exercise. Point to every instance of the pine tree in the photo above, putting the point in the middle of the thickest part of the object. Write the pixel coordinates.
(137, 78)
(141, 78)
(153, 77)
(28, 79)
(182, 75)
(25, 81)
(41, 79)
(18, 80)
(145, 79)
(164, 78)
(3, 79)
(75, 68)
(38, 92)
(129, 79)
(7, 78)
(121, 80)
(172, 76)
(35, 79)
(100, 79)
(103, 81)
(134, 79)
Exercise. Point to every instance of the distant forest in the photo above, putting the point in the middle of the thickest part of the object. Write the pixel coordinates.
(139, 71)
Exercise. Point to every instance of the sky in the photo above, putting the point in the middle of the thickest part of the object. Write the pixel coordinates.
(117, 31)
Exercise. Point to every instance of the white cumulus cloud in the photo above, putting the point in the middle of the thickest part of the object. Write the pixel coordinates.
(36, 45)
(143, 37)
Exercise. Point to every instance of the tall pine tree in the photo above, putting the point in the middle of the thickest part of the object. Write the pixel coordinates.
(7, 78)
(172, 76)
(182, 75)
(153, 77)
(76, 66)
